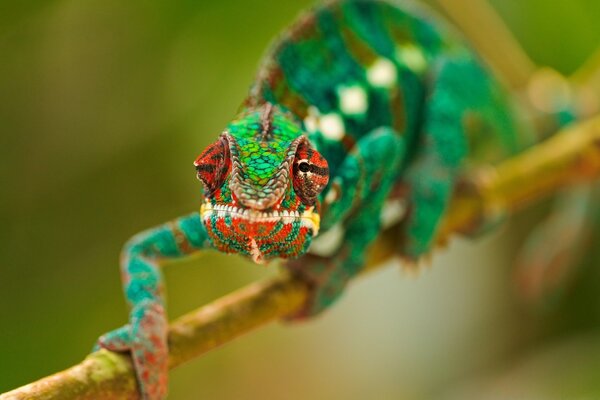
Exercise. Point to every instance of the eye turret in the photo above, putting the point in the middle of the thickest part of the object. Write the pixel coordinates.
(310, 173)
(212, 165)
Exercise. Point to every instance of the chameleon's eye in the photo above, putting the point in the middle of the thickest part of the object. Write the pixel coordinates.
(303, 166)
(310, 173)
(212, 165)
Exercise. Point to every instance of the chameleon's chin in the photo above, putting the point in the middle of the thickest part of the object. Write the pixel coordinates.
(260, 235)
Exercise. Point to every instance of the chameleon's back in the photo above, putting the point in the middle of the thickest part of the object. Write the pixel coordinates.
(347, 67)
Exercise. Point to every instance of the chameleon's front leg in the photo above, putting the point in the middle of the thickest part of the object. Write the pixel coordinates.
(353, 204)
(145, 337)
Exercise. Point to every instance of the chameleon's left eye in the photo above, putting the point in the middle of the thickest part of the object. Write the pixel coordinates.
(310, 173)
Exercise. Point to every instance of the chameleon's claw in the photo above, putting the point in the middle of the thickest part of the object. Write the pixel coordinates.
(412, 266)
(148, 348)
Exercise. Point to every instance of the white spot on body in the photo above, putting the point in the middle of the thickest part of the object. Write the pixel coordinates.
(382, 73)
(412, 56)
(352, 100)
(327, 243)
(332, 196)
(311, 122)
(332, 126)
(392, 212)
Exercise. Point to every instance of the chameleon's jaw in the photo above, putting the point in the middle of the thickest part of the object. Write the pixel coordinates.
(259, 235)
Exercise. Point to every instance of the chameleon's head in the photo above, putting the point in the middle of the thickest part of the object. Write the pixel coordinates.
(261, 181)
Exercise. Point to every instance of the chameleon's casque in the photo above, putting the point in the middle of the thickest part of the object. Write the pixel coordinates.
(261, 181)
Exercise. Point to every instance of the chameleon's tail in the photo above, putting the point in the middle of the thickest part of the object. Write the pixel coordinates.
(552, 254)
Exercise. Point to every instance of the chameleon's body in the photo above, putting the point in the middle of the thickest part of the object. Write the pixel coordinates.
(357, 104)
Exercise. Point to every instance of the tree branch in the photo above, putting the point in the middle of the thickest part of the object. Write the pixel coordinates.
(569, 157)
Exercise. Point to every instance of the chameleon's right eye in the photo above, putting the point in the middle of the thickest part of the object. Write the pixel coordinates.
(303, 166)
(212, 165)
(310, 173)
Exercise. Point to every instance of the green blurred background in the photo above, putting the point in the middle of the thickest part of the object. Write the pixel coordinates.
(103, 107)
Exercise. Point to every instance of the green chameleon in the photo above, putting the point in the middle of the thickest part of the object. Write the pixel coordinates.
(358, 108)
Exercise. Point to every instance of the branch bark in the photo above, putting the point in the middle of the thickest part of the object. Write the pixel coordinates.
(571, 156)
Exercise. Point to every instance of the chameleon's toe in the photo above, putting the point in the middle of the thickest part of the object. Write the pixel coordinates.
(117, 340)
(413, 266)
(146, 340)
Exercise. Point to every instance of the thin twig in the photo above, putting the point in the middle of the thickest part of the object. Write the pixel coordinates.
(569, 157)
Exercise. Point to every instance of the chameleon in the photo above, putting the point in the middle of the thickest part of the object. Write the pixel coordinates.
(362, 114)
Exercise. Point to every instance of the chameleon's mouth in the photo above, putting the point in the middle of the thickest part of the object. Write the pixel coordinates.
(307, 218)
(259, 235)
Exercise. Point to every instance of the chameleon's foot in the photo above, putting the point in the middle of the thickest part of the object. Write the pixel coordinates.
(326, 281)
(146, 340)
(413, 266)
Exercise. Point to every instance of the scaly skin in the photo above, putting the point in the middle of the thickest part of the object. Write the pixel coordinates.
(358, 103)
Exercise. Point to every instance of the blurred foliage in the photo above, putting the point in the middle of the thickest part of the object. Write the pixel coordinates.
(103, 107)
